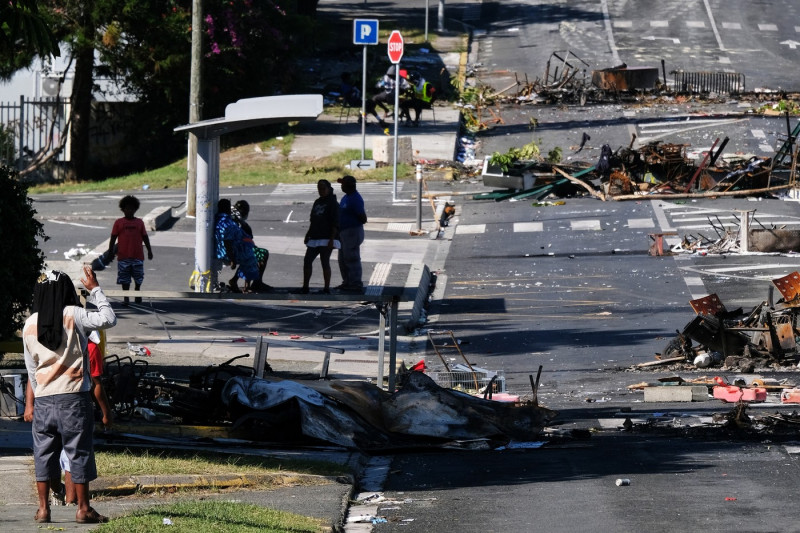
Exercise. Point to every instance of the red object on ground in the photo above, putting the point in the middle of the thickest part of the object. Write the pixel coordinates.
(790, 396)
(419, 367)
(733, 394)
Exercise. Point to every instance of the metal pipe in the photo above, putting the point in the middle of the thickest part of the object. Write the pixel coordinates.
(419, 198)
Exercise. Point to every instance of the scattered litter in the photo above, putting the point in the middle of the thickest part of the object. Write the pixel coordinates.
(360, 518)
(623, 482)
(146, 413)
(167, 522)
(74, 254)
(139, 350)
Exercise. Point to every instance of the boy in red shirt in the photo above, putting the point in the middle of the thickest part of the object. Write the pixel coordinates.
(128, 234)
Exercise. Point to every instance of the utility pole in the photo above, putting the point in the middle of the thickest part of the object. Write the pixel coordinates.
(440, 19)
(194, 104)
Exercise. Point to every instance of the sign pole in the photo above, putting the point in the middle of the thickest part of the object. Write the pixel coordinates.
(395, 50)
(427, 10)
(396, 105)
(364, 106)
(365, 32)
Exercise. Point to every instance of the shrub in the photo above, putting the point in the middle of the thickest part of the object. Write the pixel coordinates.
(24, 260)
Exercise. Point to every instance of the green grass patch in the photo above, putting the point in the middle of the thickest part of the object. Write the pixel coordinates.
(136, 461)
(250, 164)
(210, 517)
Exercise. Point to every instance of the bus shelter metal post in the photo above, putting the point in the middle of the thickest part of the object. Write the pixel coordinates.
(394, 306)
(381, 342)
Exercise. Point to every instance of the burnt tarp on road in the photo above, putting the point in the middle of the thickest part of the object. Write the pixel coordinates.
(362, 416)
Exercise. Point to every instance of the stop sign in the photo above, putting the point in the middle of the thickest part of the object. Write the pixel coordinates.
(395, 47)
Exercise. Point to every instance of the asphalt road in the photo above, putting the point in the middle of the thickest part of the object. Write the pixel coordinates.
(570, 288)
(756, 39)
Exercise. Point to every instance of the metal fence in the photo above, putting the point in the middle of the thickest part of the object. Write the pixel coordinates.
(708, 82)
(33, 129)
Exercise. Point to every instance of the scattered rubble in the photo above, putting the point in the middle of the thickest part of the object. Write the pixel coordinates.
(763, 337)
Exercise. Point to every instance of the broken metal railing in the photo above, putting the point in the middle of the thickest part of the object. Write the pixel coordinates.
(708, 82)
(387, 304)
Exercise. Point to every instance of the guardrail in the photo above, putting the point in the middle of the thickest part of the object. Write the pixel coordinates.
(707, 82)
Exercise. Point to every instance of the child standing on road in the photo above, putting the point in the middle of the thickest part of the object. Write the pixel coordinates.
(128, 234)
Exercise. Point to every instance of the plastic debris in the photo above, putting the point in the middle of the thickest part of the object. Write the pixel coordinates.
(139, 350)
(74, 254)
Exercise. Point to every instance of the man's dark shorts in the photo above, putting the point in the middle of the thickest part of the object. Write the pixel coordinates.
(64, 420)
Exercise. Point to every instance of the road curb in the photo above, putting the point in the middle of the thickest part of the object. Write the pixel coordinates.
(157, 217)
(127, 485)
(417, 288)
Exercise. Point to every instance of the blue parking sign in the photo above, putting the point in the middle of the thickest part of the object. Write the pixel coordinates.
(365, 31)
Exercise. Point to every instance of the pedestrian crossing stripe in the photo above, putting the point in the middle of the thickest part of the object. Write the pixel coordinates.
(524, 227)
(649, 132)
(641, 223)
(470, 229)
(310, 189)
(590, 225)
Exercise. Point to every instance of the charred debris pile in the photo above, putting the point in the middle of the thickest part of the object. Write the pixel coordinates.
(228, 401)
(655, 169)
(738, 340)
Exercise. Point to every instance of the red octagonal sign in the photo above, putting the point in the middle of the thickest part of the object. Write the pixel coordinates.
(395, 47)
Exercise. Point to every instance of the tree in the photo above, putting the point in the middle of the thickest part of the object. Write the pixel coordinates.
(24, 33)
(21, 269)
(145, 45)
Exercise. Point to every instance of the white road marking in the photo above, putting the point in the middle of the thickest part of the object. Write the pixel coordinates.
(768, 27)
(76, 224)
(591, 225)
(645, 129)
(730, 272)
(758, 134)
(610, 33)
(693, 280)
(470, 229)
(731, 25)
(659, 24)
(714, 26)
(623, 24)
(400, 227)
(695, 24)
(523, 227)
(637, 223)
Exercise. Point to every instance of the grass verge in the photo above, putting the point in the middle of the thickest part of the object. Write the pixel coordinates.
(251, 164)
(211, 516)
(135, 461)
